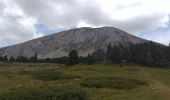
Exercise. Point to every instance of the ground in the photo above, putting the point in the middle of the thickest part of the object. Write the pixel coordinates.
(99, 81)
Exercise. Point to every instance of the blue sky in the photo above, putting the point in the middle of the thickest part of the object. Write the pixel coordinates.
(160, 34)
(23, 20)
(41, 28)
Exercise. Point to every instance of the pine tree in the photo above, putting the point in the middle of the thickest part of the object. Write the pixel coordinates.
(12, 59)
(34, 59)
(72, 58)
(22, 59)
(89, 60)
(99, 55)
(109, 53)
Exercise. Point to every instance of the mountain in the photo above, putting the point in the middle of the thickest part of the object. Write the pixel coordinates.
(84, 40)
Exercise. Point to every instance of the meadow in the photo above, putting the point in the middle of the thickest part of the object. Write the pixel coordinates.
(38, 81)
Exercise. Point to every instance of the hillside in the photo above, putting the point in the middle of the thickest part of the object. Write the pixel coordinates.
(84, 40)
(83, 82)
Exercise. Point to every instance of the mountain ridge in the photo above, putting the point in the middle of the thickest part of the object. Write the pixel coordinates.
(85, 40)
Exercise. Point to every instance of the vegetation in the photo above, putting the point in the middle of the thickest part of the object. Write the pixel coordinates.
(147, 54)
(72, 58)
(91, 82)
(113, 83)
(44, 93)
(48, 75)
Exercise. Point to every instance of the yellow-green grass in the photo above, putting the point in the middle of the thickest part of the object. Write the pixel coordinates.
(139, 83)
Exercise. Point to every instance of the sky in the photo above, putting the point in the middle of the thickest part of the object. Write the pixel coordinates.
(23, 20)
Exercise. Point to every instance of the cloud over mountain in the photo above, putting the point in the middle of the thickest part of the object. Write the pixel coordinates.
(19, 17)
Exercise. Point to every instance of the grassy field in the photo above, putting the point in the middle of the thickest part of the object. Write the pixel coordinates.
(83, 82)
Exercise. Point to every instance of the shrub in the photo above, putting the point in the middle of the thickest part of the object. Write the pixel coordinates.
(48, 75)
(115, 83)
(44, 93)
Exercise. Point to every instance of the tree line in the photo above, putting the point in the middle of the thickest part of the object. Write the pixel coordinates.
(71, 59)
(148, 54)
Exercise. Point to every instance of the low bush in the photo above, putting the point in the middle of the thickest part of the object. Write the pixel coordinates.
(114, 83)
(44, 93)
(48, 75)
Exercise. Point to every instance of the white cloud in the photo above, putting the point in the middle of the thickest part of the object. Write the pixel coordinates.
(116, 13)
(18, 17)
(15, 26)
(153, 12)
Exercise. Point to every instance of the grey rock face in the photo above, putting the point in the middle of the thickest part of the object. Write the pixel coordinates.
(84, 40)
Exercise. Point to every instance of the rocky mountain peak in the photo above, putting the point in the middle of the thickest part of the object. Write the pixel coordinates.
(85, 40)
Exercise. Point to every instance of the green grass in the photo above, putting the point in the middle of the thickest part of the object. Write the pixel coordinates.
(44, 93)
(112, 82)
(48, 75)
(93, 82)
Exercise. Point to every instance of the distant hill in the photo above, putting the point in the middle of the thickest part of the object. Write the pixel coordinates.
(84, 40)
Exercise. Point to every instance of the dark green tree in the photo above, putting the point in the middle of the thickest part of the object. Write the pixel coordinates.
(116, 54)
(3, 58)
(109, 53)
(73, 58)
(99, 55)
(34, 59)
(89, 60)
(12, 59)
(22, 59)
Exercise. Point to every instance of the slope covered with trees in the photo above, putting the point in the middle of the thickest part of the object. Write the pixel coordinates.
(148, 54)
